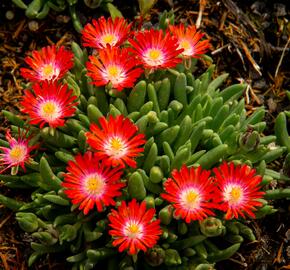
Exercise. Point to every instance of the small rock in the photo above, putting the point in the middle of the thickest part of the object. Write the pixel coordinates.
(260, 84)
(288, 251)
(9, 15)
(33, 26)
(272, 105)
(287, 234)
(258, 7)
(279, 10)
(62, 19)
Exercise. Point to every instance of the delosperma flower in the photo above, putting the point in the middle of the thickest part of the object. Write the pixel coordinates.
(117, 141)
(133, 227)
(49, 103)
(18, 152)
(239, 188)
(89, 182)
(104, 32)
(50, 63)
(116, 66)
(190, 40)
(190, 191)
(156, 49)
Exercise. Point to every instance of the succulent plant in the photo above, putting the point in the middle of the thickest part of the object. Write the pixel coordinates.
(188, 121)
(39, 9)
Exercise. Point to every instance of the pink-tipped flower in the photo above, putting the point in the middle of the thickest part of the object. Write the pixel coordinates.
(117, 141)
(190, 191)
(49, 103)
(190, 40)
(18, 152)
(133, 227)
(89, 182)
(116, 66)
(105, 32)
(239, 190)
(49, 64)
(156, 49)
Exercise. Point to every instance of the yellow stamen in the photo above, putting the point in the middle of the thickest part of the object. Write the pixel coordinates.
(49, 110)
(235, 195)
(109, 39)
(190, 198)
(17, 153)
(184, 44)
(48, 70)
(113, 71)
(116, 146)
(94, 185)
(154, 54)
(133, 230)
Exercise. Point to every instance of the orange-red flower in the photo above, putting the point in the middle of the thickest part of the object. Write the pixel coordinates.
(156, 49)
(116, 66)
(49, 63)
(18, 152)
(49, 103)
(89, 182)
(117, 141)
(190, 40)
(190, 191)
(133, 227)
(239, 190)
(104, 32)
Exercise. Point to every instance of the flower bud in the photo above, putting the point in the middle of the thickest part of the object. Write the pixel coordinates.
(172, 257)
(45, 238)
(67, 233)
(250, 140)
(155, 256)
(27, 221)
(211, 227)
(165, 214)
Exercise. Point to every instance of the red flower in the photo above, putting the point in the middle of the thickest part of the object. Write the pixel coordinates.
(103, 32)
(89, 182)
(49, 63)
(133, 227)
(190, 40)
(114, 65)
(239, 190)
(190, 191)
(156, 49)
(116, 141)
(18, 152)
(50, 103)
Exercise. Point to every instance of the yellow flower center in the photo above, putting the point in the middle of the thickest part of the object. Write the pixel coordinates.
(49, 110)
(154, 54)
(116, 144)
(109, 39)
(190, 198)
(17, 153)
(133, 230)
(184, 44)
(116, 147)
(94, 184)
(236, 194)
(154, 57)
(48, 70)
(233, 194)
(113, 72)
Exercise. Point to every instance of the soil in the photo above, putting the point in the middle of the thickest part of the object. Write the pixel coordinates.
(250, 41)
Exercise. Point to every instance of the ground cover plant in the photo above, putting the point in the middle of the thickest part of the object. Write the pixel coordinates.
(132, 161)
